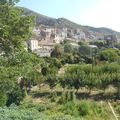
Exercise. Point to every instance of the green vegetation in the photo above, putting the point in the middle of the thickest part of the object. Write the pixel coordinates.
(16, 64)
(70, 111)
(75, 83)
(110, 55)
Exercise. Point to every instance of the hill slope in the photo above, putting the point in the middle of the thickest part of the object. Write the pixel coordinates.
(62, 22)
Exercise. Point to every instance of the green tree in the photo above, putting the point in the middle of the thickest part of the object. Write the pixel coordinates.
(98, 43)
(13, 39)
(81, 43)
(86, 53)
(52, 80)
(15, 96)
(58, 51)
(67, 58)
(110, 55)
(15, 30)
(68, 48)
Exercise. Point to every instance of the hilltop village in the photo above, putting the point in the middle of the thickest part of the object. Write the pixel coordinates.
(45, 38)
(55, 69)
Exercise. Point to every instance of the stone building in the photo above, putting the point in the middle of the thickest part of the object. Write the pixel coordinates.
(33, 44)
(111, 40)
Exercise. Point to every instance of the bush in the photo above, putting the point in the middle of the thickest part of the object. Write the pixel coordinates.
(3, 99)
(30, 105)
(118, 109)
(16, 113)
(70, 108)
(110, 55)
(63, 117)
(53, 96)
(15, 96)
(83, 108)
(100, 110)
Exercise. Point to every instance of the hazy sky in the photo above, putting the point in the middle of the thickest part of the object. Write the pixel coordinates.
(97, 13)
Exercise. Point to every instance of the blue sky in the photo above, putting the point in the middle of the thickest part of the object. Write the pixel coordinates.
(97, 13)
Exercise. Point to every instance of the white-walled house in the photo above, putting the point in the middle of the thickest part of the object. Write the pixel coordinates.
(33, 44)
(43, 50)
(58, 39)
(64, 33)
(47, 45)
(36, 31)
(79, 36)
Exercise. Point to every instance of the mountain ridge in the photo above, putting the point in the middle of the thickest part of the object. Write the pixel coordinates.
(65, 23)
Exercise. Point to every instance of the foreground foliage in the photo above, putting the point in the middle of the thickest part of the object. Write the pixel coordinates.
(83, 110)
(16, 113)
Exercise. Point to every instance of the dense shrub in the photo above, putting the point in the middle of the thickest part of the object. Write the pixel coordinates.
(118, 108)
(70, 108)
(15, 96)
(110, 55)
(3, 98)
(99, 109)
(16, 113)
(83, 108)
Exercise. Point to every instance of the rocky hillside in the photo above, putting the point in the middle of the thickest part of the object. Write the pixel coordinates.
(62, 22)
